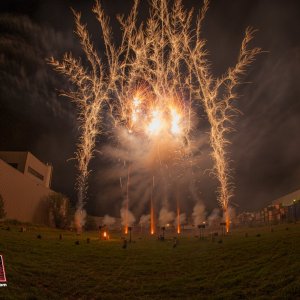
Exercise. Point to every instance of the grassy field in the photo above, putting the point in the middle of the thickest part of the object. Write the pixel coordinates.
(262, 265)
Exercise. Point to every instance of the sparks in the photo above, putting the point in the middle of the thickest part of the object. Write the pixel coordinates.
(175, 122)
(227, 220)
(152, 56)
(127, 201)
(178, 218)
(152, 224)
(156, 124)
(135, 110)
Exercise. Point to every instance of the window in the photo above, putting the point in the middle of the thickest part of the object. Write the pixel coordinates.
(14, 165)
(35, 173)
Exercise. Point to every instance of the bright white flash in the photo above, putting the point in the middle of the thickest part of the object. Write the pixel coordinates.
(136, 102)
(155, 125)
(175, 122)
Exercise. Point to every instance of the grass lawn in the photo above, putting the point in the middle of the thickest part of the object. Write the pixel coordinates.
(239, 267)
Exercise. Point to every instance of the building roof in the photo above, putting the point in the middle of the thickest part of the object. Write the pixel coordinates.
(29, 165)
(288, 199)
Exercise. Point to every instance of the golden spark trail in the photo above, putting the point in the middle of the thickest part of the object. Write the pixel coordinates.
(91, 91)
(227, 221)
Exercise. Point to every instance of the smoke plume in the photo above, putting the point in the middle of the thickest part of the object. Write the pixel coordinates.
(79, 219)
(198, 214)
(166, 216)
(144, 220)
(127, 215)
(214, 218)
(182, 218)
(108, 220)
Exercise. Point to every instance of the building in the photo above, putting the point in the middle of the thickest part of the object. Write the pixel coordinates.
(288, 199)
(283, 209)
(24, 182)
(274, 213)
(244, 218)
(291, 205)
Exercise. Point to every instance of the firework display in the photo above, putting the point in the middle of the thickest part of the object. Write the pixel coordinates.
(147, 86)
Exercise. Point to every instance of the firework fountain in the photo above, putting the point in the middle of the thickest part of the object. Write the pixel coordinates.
(148, 84)
(178, 218)
(152, 222)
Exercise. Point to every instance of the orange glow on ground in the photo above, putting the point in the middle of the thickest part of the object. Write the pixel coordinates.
(105, 235)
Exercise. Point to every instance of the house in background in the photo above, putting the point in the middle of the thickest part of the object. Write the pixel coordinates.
(24, 182)
(291, 204)
(288, 199)
(283, 209)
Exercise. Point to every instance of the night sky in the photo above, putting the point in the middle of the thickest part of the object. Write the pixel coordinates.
(265, 148)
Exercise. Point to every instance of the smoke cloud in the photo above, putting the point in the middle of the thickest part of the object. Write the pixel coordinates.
(127, 215)
(231, 213)
(79, 219)
(166, 216)
(214, 218)
(182, 218)
(164, 176)
(198, 214)
(108, 220)
(144, 220)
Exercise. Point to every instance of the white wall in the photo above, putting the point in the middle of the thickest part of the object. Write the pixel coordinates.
(22, 195)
